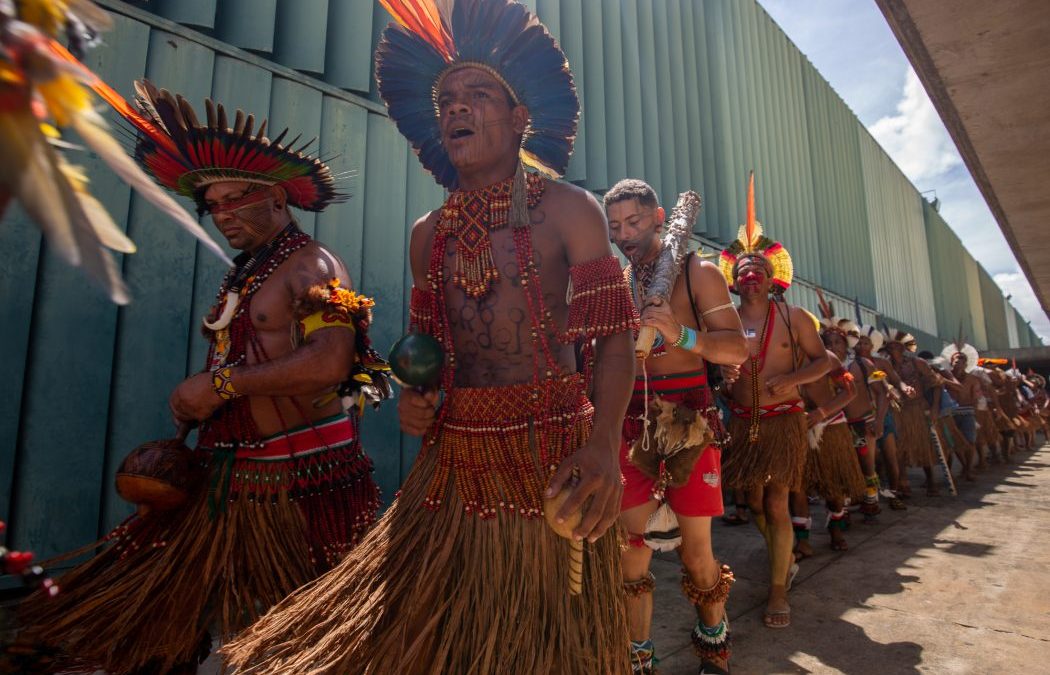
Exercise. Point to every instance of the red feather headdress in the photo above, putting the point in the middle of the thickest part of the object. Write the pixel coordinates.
(751, 242)
(186, 156)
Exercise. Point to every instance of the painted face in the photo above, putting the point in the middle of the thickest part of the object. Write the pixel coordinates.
(753, 277)
(243, 212)
(480, 126)
(635, 229)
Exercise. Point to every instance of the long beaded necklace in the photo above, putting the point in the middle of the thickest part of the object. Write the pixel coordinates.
(757, 362)
(233, 424)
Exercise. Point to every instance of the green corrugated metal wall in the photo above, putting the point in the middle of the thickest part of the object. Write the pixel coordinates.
(682, 93)
(950, 281)
(994, 312)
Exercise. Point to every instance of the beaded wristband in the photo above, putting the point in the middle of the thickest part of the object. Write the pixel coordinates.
(686, 339)
(222, 384)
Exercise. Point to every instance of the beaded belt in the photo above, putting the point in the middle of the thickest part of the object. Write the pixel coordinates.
(302, 441)
(774, 410)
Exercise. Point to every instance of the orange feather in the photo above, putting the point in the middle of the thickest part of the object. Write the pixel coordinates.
(424, 18)
(751, 238)
(110, 96)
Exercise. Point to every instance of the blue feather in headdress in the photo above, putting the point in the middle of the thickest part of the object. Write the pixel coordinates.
(499, 34)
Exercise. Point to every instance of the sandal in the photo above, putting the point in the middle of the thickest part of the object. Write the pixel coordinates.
(897, 505)
(769, 618)
(734, 519)
(839, 545)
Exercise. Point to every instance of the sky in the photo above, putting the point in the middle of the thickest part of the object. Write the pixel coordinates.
(852, 46)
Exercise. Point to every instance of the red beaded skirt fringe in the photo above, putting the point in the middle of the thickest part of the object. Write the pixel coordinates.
(146, 600)
(779, 455)
(434, 588)
(832, 471)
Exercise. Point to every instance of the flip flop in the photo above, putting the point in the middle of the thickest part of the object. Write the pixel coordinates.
(771, 613)
(792, 573)
(897, 505)
(734, 519)
(839, 545)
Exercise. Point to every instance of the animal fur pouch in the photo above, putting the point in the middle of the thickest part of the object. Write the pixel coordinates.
(671, 443)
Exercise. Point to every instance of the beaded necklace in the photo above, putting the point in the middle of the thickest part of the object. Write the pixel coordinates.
(453, 225)
(757, 362)
(640, 280)
(470, 216)
(233, 425)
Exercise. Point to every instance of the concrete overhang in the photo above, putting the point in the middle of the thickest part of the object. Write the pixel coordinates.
(986, 67)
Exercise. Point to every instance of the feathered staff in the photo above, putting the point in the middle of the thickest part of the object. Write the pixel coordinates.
(40, 83)
(669, 263)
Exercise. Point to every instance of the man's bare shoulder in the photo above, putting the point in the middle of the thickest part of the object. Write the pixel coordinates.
(800, 315)
(425, 225)
(569, 203)
(314, 264)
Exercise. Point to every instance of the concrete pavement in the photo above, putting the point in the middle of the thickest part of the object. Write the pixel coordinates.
(952, 585)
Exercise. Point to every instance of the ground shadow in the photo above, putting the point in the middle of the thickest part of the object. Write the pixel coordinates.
(822, 637)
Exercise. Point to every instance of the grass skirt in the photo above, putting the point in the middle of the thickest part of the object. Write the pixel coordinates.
(779, 455)
(833, 471)
(147, 601)
(149, 598)
(913, 435)
(987, 430)
(442, 590)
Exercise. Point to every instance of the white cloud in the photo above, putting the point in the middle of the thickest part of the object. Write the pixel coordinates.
(915, 137)
(852, 46)
(1015, 284)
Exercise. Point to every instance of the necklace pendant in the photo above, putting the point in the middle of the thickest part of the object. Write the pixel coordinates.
(222, 346)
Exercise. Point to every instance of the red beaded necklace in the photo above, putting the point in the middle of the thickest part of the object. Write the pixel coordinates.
(757, 362)
(457, 224)
(233, 425)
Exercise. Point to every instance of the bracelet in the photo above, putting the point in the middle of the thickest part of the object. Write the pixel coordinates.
(686, 339)
(222, 384)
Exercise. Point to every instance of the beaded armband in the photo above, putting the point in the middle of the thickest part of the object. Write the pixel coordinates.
(222, 384)
(600, 301)
(329, 305)
(421, 312)
(841, 375)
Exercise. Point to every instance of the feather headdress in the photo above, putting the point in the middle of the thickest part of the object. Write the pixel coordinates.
(831, 323)
(959, 348)
(185, 156)
(907, 340)
(752, 242)
(433, 38)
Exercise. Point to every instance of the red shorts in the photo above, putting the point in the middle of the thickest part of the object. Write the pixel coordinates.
(702, 494)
